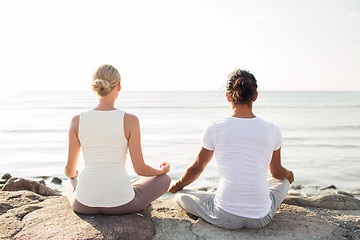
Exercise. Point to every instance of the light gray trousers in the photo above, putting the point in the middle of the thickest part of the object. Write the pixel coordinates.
(201, 204)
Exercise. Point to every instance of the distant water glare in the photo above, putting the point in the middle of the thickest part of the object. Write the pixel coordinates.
(321, 132)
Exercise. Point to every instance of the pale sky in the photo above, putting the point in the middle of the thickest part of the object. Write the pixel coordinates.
(180, 45)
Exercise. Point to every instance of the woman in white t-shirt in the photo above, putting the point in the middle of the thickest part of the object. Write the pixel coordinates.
(246, 147)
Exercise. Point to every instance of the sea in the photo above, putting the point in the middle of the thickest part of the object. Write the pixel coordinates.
(320, 130)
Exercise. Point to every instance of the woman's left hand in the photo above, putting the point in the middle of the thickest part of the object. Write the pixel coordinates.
(165, 167)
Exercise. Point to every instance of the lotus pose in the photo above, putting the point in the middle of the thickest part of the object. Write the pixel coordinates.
(105, 134)
(245, 147)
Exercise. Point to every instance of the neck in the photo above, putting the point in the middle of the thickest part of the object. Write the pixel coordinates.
(242, 111)
(106, 103)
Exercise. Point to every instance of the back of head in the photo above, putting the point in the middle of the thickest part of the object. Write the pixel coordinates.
(241, 87)
(105, 79)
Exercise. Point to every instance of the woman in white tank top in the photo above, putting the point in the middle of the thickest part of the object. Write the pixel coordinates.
(245, 147)
(105, 134)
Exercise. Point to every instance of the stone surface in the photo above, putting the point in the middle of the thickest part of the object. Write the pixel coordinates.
(290, 222)
(56, 180)
(27, 215)
(42, 182)
(14, 206)
(285, 225)
(328, 200)
(170, 221)
(6, 176)
(296, 187)
(348, 220)
(329, 187)
(344, 193)
(16, 184)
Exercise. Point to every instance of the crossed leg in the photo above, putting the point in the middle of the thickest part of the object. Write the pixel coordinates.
(146, 189)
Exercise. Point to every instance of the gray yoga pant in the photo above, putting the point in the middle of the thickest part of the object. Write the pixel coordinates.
(201, 204)
(146, 189)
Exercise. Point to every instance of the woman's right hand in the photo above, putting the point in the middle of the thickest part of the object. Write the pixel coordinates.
(175, 188)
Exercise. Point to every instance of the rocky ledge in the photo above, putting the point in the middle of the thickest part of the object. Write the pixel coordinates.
(30, 214)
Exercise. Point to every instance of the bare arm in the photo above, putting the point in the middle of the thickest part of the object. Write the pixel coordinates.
(194, 171)
(74, 148)
(277, 170)
(132, 133)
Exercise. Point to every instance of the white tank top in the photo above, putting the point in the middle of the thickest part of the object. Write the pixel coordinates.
(104, 181)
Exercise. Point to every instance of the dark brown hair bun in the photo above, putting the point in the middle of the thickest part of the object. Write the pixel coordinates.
(241, 86)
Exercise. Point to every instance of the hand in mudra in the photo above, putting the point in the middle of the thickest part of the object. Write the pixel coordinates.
(165, 167)
(291, 177)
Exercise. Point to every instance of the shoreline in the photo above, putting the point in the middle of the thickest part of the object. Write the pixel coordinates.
(56, 183)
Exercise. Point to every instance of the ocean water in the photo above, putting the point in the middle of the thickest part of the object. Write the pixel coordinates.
(321, 132)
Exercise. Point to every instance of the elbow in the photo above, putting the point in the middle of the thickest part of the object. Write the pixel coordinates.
(69, 173)
(139, 171)
(66, 172)
(279, 174)
(276, 175)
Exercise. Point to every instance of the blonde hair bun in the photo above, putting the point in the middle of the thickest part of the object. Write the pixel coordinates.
(105, 79)
(101, 86)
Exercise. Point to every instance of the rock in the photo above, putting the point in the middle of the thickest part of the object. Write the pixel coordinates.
(6, 176)
(328, 200)
(27, 215)
(14, 206)
(16, 184)
(296, 187)
(170, 221)
(329, 187)
(19, 198)
(285, 225)
(42, 182)
(56, 180)
(344, 193)
(290, 222)
(294, 193)
(2, 181)
(43, 177)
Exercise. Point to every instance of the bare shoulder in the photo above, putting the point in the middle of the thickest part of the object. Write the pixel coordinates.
(131, 124)
(75, 119)
(75, 122)
(131, 119)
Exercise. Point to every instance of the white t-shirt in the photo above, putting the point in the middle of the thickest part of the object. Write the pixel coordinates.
(243, 150)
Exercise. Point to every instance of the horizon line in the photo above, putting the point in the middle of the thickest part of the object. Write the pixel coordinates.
(214, 90)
